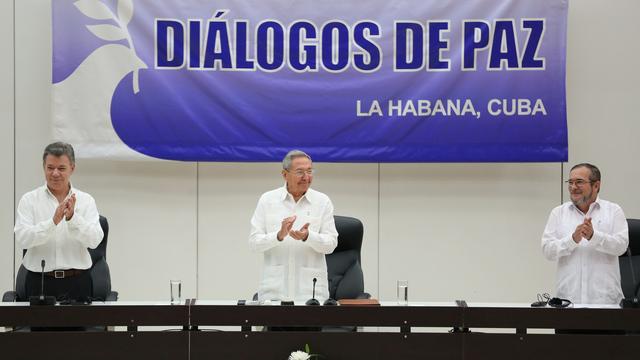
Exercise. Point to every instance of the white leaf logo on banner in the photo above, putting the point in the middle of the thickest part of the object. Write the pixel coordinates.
(82, 101)
(94, 9)
(107, 32)
(125, 11)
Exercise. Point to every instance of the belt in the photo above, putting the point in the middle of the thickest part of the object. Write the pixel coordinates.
(61, 274)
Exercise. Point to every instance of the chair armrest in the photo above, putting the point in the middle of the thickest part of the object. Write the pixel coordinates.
(112, 296)
(9, 296)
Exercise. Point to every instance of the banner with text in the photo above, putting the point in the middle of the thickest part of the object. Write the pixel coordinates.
(345, 81)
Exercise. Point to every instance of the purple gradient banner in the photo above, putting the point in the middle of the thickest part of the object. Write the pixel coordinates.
(392, 81)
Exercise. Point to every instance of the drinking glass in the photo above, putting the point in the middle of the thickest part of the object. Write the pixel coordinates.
(403, 292)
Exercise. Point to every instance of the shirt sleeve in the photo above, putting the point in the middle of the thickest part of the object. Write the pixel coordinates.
(554, 244)
(617, 241)
(84, 226)
(325, 239)
(29, 233)
(259, 239)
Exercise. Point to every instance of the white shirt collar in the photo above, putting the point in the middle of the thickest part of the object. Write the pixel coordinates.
(72, 190)
(591, 206)
(309, 195)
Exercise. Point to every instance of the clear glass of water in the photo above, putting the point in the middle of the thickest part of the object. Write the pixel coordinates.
(176, 291)
(403, 292)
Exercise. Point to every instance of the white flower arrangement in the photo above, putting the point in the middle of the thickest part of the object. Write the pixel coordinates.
(299, 355)
(303, 355)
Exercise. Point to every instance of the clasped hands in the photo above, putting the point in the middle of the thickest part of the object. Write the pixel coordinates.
(65, 209)
(286, 228)
(584, 230)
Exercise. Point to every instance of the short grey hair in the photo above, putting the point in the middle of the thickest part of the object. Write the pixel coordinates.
(286, 162)
(58, 149)
(595, 172)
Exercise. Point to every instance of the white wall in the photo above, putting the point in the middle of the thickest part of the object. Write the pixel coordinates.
(466, 231)
(455, 231)
(603, 95)
(6, 145)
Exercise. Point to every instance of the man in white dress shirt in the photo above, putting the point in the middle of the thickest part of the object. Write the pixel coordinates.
(293, 227)
(585, 236)
(57, 223)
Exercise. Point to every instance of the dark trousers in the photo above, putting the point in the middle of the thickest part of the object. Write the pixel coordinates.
(78, 288)
(74, 288)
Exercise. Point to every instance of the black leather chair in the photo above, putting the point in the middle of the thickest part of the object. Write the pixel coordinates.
(629, 281)
(344, 265)
(100, 275)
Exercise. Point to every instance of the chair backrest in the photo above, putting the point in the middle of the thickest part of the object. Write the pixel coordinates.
(101, 250)
(100, 274)
(628, 282)
(346, 280)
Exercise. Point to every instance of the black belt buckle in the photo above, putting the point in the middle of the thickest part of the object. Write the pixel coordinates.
(58, 274)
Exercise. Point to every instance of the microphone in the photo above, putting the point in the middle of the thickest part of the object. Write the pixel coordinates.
(313, 300)
(631, 303)
(635, 295)
(42, 300)
(42, 280)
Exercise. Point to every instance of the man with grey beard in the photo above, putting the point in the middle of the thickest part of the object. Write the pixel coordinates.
(585, 236)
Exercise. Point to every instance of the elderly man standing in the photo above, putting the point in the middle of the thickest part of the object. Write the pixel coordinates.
(293, 227)
(56, 223)
(586, 236)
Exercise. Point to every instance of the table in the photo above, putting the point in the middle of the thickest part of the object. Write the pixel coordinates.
(418, 331)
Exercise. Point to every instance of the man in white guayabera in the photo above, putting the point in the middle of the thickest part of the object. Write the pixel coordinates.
(586, 236)
(293, 227)
(55, 224)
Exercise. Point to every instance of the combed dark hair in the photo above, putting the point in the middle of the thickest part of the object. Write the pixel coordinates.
(286, 162)
(58, 149)
(595, 172)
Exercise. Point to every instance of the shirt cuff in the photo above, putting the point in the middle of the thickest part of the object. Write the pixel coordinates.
(74, 222)
(571, 245)
(597, 239)
(273, 237)
(313, 237)
(50, 225)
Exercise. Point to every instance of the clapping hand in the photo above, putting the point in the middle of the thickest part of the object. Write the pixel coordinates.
(584, 230)
(70, 206)
(285, 227)
(65, 209)
(301, 234)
